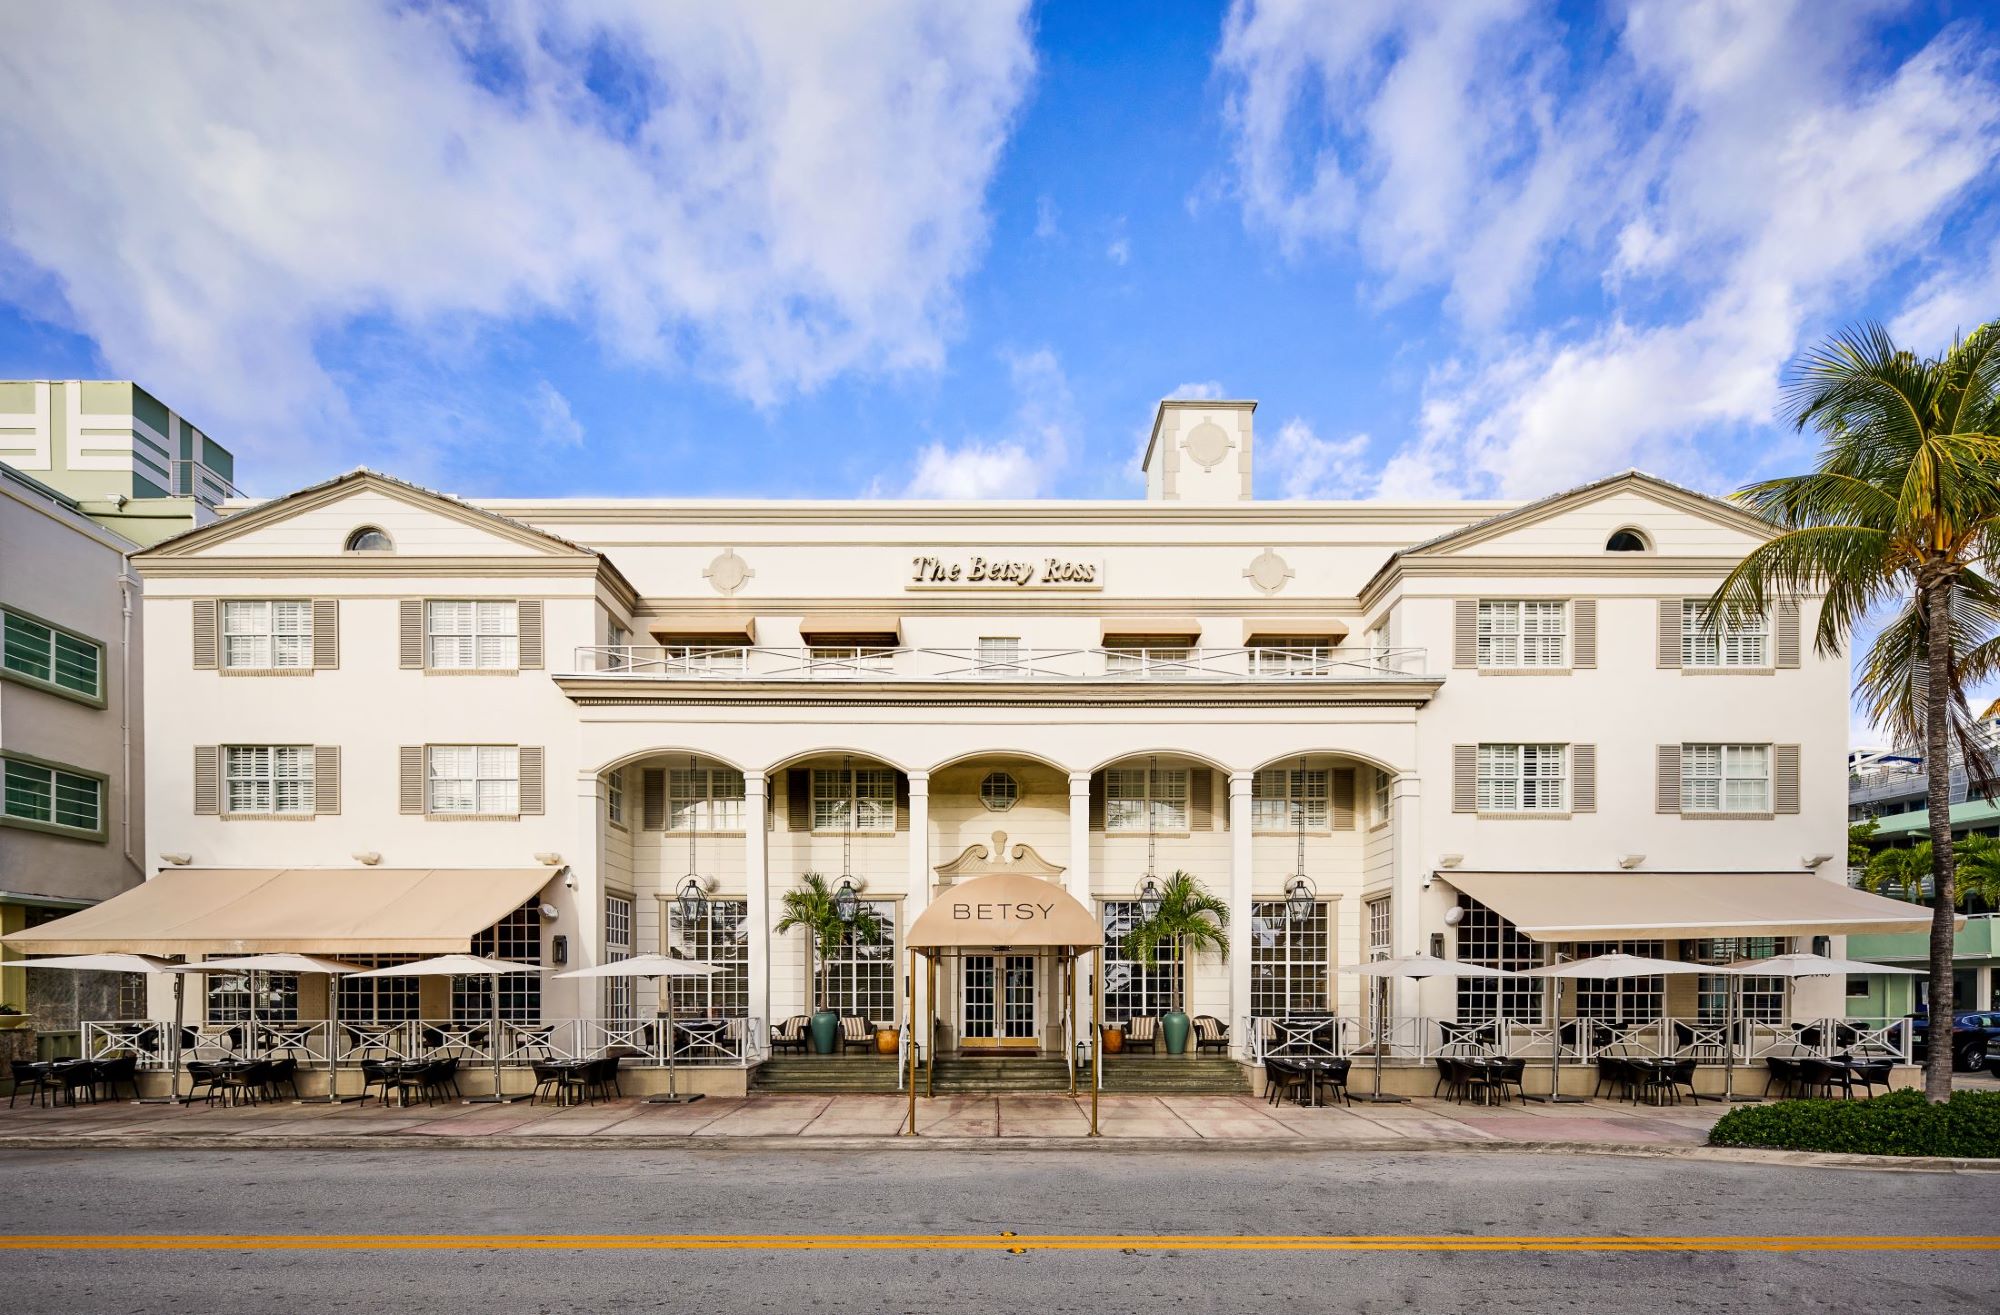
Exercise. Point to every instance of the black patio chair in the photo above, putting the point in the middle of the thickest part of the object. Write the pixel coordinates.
(1281, 1077)
(1333, 1073)
(565, 1084)
(602, 1075)
(1872, 1073)
(203, 1080)
(282, 1073)
(447, 1077)
(1447, 1079)
(1614, 1075)
(1822, 1076)
(1782, 1074)
(379, 1076)
(788, 1035)
(1210, 1033)
(1678, 1074)
(119, 1071)
(240, 1083)
(34, 1080)
(1143, 1033)
(856, 1033)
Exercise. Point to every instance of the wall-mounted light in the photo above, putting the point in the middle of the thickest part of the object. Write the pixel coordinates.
(1450, 860)
(550, 913)
(367, 857)
(548, 860)
(177, 860)
(1630, 861)
(1453, 916)
(1813, 863)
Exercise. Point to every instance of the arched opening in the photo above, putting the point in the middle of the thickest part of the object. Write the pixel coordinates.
(369, 538)
(1627, 540)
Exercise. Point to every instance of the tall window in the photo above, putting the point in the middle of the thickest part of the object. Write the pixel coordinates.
(1763, 997)
(1279, 796)
(1298, 656)
(1385, 785)
(865, 794)
(268, 778)
(998, 656)
(1738, 643)
(862, 978)
(483, 779)
(710, 799)
(518, 939)
(1131, 989)
(54, 657)
(464, 633)
(1521, 634)
(1379, 943)
(617, 949)
(614, 796)
(721, 938)
(1132, 794)
(1288, 960)
(1629, 1000)
(1725, 778)
(1487, 939)
(266, 636)
(229, 997)
(37, 792)
(1520, 778)
(380, 999)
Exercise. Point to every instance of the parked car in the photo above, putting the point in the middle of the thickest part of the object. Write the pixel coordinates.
(1974, 1038)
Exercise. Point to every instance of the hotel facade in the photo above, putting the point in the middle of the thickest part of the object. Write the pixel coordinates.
(1491, 731)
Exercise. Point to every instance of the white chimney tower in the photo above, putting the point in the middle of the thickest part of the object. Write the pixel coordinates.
(1199, 452)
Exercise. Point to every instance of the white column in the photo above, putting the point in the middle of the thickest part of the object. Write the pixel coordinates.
(1406, 926)
(1241, 856)
(757, 887)
(583, 909)
(917, 891)
(1077, 878)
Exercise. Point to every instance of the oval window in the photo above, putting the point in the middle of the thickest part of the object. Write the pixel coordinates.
(1625, 541)
(999, 792)
(369, 539)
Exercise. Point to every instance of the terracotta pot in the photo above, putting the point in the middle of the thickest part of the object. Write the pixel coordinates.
(1114, 1040)
(885, 1040)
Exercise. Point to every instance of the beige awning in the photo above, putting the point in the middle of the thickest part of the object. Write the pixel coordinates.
(294, 910)
(1597, 906)
(1005, 909)
(1295, 627)
(851, 625)
(1164, 627)
(689, 629)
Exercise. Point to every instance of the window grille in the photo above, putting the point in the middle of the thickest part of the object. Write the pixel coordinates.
(618, 991)
(1128, 795)
(720, 938)
(1131, 989)
(380, 999)
(1763, 997)
(1742, 642)
(268, 778)
(866, 794)
(483, 779)
(1630, 1000)
(1278, 795)
(1489, 940)
(229, 997)
(465, 634)
(35, 793)
(41, 652)
(1288, 960)
(518, 939)
(1521, 634)
(861, 979)
(1725, 778)
(1521, 778)
(704, 799)
(266, 635)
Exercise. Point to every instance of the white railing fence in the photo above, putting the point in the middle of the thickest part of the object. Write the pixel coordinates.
(1418, 1040)
(1099, 665)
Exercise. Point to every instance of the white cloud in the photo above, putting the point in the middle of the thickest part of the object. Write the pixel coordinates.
(1308, 466)
(1950, 304)
(555, 423)
(1743, 168)
(1204, 390)
(768, 194)
(1047, 219)
(1022, 463)
(1119, 252)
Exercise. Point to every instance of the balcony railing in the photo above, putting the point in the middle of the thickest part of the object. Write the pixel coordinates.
(1034, 665)
(1424, 1039)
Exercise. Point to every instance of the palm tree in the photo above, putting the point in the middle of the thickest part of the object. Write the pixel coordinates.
(1906, 871)
(1190, 918)
(813, 907)
(1902, 510)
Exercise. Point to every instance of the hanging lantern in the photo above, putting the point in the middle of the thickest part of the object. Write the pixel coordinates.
(1149, 899)
(846, 902)
(1299, 893)
(1300, 898)
(692, 901)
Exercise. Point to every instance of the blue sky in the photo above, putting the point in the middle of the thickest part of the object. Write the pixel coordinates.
(1476, 247)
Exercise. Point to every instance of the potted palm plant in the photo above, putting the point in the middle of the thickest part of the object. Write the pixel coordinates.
(813, 906)
(1192, 918)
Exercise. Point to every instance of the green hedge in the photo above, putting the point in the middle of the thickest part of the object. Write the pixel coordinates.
(1900, 1123)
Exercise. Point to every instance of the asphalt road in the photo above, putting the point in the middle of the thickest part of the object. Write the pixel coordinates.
(936, 1198)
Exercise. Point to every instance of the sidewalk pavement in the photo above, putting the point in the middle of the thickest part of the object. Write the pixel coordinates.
(1240, 1121)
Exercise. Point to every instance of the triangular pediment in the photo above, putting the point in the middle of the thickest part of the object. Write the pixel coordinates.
(1671, 519)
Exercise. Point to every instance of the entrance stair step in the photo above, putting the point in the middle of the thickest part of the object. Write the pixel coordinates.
(825, 1074)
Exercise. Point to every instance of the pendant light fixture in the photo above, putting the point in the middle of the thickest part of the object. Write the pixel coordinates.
(693, 900)
(1299, 893)
(846, 903)
(1149, 888)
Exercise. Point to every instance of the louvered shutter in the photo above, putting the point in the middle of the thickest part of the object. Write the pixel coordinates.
(1670, 635)
(529, 615)
(207, 780)
(205, 657)
(1583, 778)
(1201, 799)
(798, 799)
(1583, 643)
(411, 615)
(1785, 778)
(1465, 632)
(1341, 804)
(326, 633)
(902, 802)
(326, 772)
(1464, 778)
(410, 788)
(653, 799)
(1097, 801)
(1787, 617)
(530, 760)
(1667, 779)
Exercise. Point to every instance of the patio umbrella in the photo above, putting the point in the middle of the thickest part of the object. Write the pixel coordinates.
(1617, 966)
(125, 963)
(1415, 967)
(653, 967)
(1790, 967)
(291, 963)
(467, 965)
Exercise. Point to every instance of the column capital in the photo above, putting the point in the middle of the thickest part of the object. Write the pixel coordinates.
(1079, 782)
(918, 781)
(1242, 782)
(756, 783)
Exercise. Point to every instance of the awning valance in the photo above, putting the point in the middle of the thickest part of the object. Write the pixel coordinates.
(697, 629)
(1598, 906)
(1298, 627)
(851, 625)
(1005, 909)
(1151, 627)
(296, 910)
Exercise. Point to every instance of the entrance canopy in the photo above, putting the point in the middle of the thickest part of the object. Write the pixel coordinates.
(1604, 906)
(1008, 910)
(293, 910)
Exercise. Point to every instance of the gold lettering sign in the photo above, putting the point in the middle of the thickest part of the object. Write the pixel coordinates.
(1004, 570)
(964, 912)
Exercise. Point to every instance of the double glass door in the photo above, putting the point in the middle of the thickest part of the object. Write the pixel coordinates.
(998, 1001)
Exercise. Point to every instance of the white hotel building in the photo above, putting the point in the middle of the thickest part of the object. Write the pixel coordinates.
(565, 706)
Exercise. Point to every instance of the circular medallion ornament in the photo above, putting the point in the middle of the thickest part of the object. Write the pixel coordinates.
(728, 573)
(1206, 444)
(1268, 572)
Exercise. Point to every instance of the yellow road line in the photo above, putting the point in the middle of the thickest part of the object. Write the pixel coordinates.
(961, 1242)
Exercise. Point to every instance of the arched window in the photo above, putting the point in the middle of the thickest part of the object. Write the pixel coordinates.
(1625, 541)
(369, 539)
